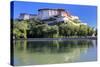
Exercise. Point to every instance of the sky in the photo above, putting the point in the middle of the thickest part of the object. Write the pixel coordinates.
(87, 14)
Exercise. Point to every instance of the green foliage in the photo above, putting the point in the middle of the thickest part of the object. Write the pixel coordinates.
(95, 32)
(38, 29)
(20, 29)
(82, 30)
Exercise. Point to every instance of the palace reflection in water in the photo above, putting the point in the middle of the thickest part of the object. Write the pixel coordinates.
(50, 52)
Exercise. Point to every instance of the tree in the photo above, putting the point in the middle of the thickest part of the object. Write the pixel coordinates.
(90, 31)
(20, 29)
(35, 28)
(82, 30)
(53, 31)
(96, 32)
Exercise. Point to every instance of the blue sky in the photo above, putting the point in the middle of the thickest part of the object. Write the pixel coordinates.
(87, 14)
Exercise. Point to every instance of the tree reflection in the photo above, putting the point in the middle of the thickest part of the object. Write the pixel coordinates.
(54, 46)
(56, 51)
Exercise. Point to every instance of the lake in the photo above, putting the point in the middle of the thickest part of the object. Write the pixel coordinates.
(54, 51)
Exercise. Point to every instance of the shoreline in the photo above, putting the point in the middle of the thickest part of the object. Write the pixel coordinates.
(50, 39)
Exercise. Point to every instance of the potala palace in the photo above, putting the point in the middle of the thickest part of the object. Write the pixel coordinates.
(50, 16)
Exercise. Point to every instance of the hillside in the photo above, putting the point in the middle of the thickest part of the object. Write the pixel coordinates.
(36, 28)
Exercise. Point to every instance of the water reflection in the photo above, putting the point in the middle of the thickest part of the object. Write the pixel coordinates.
(48, 52)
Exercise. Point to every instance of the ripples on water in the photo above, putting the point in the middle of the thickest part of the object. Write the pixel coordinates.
(50, 52)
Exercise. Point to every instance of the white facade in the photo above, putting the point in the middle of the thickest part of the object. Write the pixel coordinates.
(47, 13)
(62, 19)
(44, 14)
(25, 16)
(74, 17)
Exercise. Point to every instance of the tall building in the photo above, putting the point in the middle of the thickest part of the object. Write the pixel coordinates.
(47, 13)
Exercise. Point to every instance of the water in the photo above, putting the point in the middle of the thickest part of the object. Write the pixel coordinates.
(53, 52)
